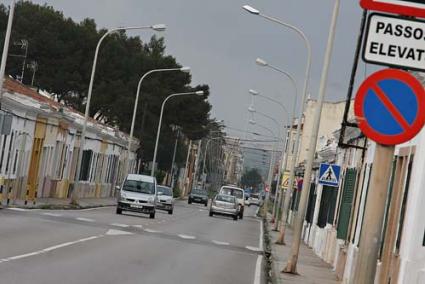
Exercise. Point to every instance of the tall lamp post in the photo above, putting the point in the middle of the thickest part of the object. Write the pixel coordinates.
(198, 93)
(263, 63)
(159, 27)
(136, 102)
(6, 48)
(303, 103)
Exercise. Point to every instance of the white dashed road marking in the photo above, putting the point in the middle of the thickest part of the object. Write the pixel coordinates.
(221, 243)
(120, 225)
(16, 257)
(138, 226)
(253, 248)
(113, 232)
(187, 237)
(18, 209)
(151, 231)
(52, 214)
(85, 219)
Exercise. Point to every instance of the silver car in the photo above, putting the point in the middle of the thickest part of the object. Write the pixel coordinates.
(224, 205)
(165, 199)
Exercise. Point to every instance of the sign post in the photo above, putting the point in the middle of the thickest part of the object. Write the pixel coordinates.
(389, 108)
(394, 41)
(329, 175)
(414, 8)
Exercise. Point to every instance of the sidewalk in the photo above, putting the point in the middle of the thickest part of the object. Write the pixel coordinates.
(60, 203)
(310, 267)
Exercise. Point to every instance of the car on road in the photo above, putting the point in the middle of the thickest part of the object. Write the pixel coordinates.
(226, 205)
(165, 199)
(254, 199)
(238, 193)
(138, 194)
(198, 195)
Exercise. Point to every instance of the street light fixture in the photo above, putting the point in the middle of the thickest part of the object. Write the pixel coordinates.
(291, 267)
(184, 69)
(157, 27)
(198, 93)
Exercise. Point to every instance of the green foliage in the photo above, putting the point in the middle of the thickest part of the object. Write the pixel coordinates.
(251, 178)
(64, 52)
(176, 192)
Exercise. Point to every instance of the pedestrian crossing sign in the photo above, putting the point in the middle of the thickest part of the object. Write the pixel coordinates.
(329, 175)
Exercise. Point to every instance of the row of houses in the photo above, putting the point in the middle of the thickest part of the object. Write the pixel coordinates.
(40, 144)
(335, 216)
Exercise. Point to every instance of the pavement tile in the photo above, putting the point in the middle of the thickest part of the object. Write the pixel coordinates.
(310, 267)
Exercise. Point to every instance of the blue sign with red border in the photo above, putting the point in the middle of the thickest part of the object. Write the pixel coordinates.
(390, 107)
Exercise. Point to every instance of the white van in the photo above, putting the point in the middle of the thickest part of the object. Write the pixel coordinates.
(138, 194)
(238, 193)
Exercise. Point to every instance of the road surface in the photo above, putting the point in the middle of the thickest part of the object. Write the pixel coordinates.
(98, 246)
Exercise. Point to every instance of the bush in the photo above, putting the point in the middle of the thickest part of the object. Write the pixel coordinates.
(176, 192)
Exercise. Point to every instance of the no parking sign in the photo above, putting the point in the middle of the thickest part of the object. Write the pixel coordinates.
(390, 107)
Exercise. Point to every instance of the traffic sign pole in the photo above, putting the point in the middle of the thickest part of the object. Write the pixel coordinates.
(371, 233)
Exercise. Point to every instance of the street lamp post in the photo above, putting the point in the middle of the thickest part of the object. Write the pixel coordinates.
(263, 63)
(198, 93)
(159, 27)
(291, 266)
(136, 102)
(303, 103)
(6, 48)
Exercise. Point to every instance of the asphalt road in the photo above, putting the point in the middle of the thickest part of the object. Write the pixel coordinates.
(98, 246)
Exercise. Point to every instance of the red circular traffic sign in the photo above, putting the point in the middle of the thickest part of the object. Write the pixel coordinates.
(390, 107)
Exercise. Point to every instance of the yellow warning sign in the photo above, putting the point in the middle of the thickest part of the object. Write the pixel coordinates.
(285, 180)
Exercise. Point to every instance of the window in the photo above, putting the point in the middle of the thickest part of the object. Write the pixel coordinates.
(327, 206)
(346, 203)
(139, 186)
(311, 204)
(85, 165)
(3, 146)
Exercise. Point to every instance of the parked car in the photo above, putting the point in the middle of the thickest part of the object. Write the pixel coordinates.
(138, 194)
(238, 193)
(224, 205)
(198, 195)
(254, 199)
(165, 199)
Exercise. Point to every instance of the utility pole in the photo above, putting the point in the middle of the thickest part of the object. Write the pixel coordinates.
(174, 157)
(189, 149)
(291, 266)
(6, 49)
(371, 234)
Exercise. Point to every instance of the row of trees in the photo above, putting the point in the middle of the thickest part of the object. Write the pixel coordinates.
(64, 52)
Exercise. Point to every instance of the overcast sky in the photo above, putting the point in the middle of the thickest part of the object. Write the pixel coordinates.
(220, 42)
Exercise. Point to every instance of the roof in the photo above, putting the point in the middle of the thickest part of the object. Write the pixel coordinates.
(29, 97)
(143, 178)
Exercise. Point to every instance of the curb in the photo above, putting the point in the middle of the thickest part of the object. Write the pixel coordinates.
(62, 207)
(268, 257)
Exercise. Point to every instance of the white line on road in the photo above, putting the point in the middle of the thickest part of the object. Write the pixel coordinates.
(52, 214)
(95, 208)
(120, 225)
(55, 247)
(112, 232)
(221, 243)
(85, 219)
(260, 245)
(19, 209)
(151, 231)
(258, 266)
(187, 237)
(257, 277)
(138, 226)
(253, 249)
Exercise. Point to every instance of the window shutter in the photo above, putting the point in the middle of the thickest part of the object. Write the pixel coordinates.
(346, 203)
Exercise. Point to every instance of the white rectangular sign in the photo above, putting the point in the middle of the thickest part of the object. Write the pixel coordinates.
(395, 42)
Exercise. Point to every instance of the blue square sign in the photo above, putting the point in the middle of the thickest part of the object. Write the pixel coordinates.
(329, 175)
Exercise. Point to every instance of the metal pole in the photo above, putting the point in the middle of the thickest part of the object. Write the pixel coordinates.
(189, 149)
(371, 233)
(136, 103)
(24, 41)
(174, 158)
(291, 266)
(159, 126)
(75, 194)
(6, 48)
